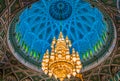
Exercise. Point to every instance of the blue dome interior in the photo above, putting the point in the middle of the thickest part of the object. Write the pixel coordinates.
(83, 24)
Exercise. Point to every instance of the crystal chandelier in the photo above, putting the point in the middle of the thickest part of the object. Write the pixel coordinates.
(60, 63)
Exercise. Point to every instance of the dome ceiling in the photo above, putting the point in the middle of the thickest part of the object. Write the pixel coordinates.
(33, 29)
(8, 65)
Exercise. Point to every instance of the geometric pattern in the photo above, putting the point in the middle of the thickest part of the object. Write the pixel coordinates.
(11, 69)
(87, 31)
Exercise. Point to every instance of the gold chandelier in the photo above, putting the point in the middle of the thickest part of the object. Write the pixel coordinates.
(60, 63)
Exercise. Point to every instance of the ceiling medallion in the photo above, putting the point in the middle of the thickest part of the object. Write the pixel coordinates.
(62, 10)
(60, 63)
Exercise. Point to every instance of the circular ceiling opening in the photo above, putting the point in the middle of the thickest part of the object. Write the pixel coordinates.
(91, 32)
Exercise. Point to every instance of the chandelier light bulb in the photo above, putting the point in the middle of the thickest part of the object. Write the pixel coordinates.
(67, 39)
(73, 70)
(52, 53)
(74, 74)
(55, 76)
(54, 41)
(70, 44)
(47, 56)
(55, 50)
(73, 55)
(68, 76)
(45, 71)
(52, 57)
(74, 59)
(47, 52)
(78, 62)
(50, 74)
(67, 56)
(43, 68)
(73, 51)
(67, 52)
(78, 59)
(47, 60)
(52, 46)
(43, 63)
(62, 38)
(79, 66)
(59, 56)
(78, 70)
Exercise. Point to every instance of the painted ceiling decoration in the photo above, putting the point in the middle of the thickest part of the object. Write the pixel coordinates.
(33, 28)
(11, 68)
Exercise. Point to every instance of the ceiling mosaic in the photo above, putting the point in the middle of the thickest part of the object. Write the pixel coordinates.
(12, 69)
(32, 30)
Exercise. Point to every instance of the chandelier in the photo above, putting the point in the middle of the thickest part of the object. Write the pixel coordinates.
(60, 63)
